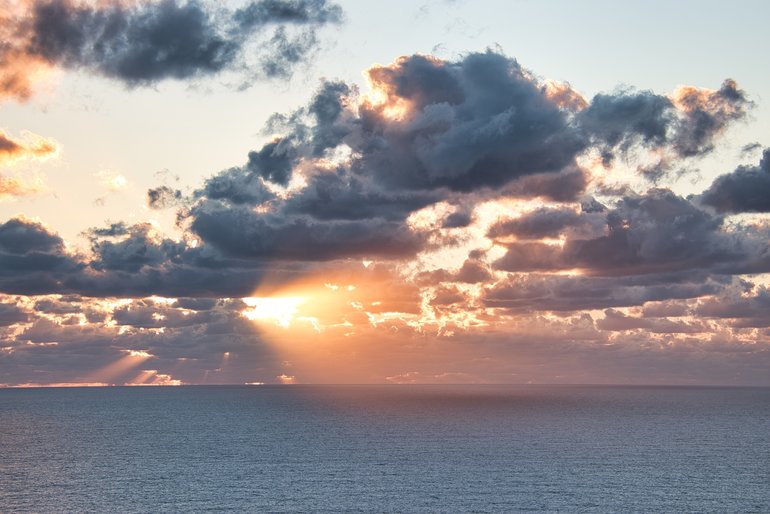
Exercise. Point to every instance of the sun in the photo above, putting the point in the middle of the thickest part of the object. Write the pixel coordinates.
(281, 310)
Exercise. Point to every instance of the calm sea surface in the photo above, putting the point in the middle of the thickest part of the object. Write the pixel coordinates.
(385, 449)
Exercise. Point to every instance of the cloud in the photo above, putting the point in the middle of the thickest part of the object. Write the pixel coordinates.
(143, 43)
(751, 309)
(349, 171)
(357, 167)
(13, 187)
(674, 127)
(462, 218)
(747, 189)
(658, 232)
(11, 314)
(616, 321)
(125, 261)
(533, 292)
(479, 122)
(567, 185)
(621, 119)
(705, 114)
(22, 236)
(546, 223)
(162, 197)
(240, 232)
(131, 337)
(31, 146)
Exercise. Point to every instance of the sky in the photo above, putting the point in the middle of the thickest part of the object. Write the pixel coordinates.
(309, 191)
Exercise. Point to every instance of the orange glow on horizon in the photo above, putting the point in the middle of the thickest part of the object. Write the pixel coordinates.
(29, 385)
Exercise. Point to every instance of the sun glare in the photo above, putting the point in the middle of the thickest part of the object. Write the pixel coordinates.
(280, 310)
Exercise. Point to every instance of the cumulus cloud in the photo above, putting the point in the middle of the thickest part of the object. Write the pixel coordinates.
(349, 171)
(747, 189)
(658, 232)
(143, 43)
(10, 314)
(241, 233)
(450, 217)
(682, 125)
(32, 257)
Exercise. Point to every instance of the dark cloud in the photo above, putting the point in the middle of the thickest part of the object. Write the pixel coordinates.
(413, 168)
(686, 123)
(236, 186)
(240, 232)
(309, 132)
(344, 196)
(617, 321)
(565, 186)
(658, 232)
(143, 43)
(458, 219)
(665, 309)
(273, 162)
(744, 310)
(533, 292)
(327, 108)
(58, 306)
(750, 148)
(196, 304)
(32, 258)
(11, 314)
(137, 44)
(286, 52)
(162, 197)
(148, 314)
(747, 189)
(706, 113)
(137, 250)
(473, 272)
(20, 236)
(322, 124)
(653, 233)
(126, 261)
(112, 230)
(437, 131)
(528, 256)
(459, 132)
(479, 122)
(484, 113)
(622, 119)
(539, 224)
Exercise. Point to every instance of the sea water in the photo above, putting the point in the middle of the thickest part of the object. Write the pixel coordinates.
(385, 449)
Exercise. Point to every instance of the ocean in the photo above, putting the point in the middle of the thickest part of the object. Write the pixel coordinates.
(385, 449)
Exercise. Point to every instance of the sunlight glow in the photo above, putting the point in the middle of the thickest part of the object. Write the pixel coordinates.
(281, 310)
